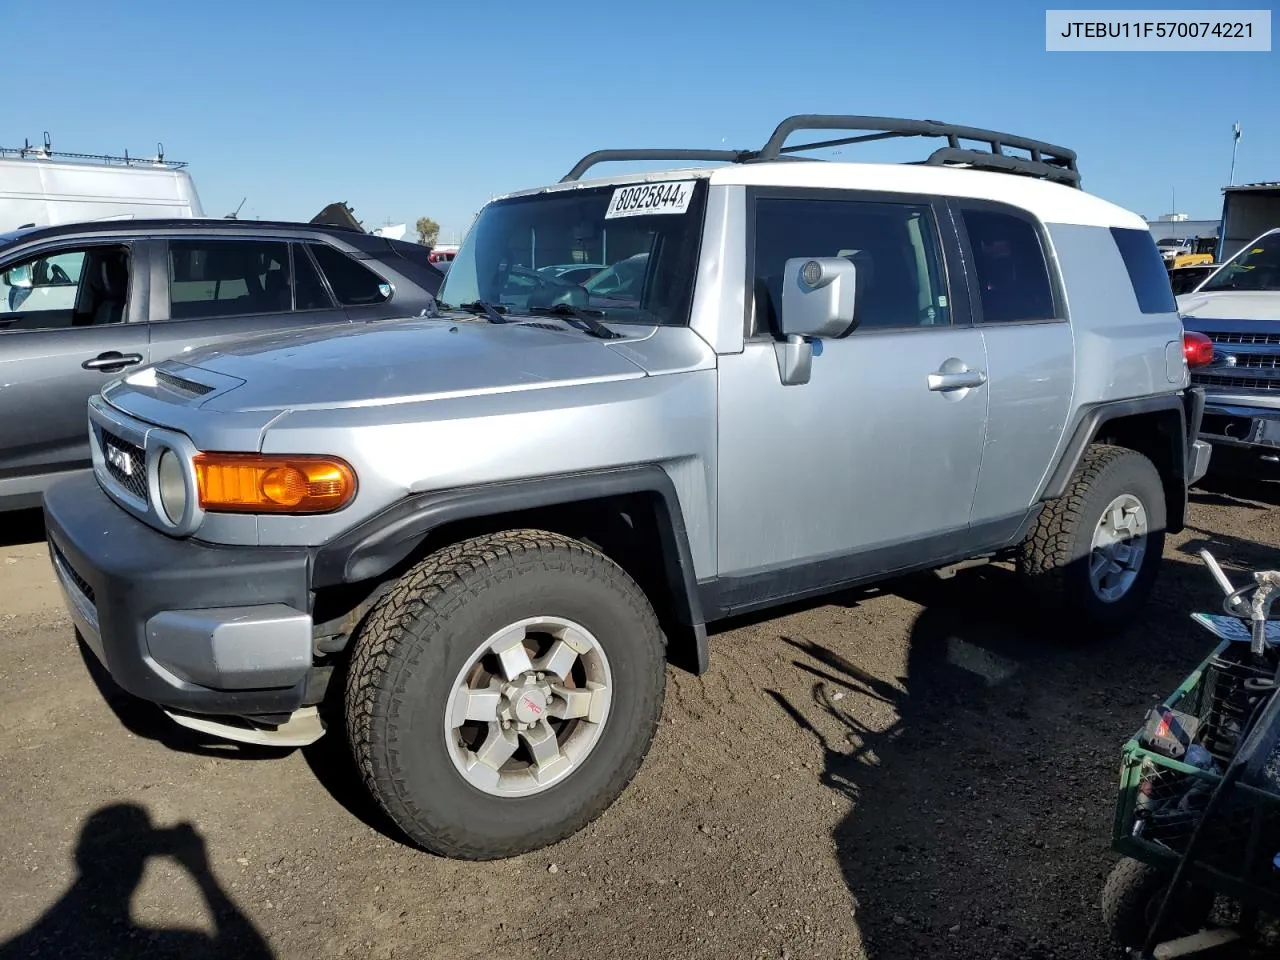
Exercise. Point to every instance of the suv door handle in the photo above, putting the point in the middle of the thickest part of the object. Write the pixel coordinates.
(112, 361)
(956, 381)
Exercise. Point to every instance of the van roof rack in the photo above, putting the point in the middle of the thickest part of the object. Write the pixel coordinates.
(46, 152)
(1046, 161)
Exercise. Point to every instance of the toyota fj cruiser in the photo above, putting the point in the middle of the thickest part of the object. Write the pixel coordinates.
(469, 541)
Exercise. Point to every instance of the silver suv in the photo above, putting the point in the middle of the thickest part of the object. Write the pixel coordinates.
(469, 542)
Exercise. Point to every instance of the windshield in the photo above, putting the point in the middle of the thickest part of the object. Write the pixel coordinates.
(1256, 267)
(636, 244)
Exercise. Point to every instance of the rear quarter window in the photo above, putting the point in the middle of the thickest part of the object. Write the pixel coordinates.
(352, 282)
(1146, 270)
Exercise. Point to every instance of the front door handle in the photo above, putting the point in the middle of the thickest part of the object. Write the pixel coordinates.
(112, 361)
(957, 381)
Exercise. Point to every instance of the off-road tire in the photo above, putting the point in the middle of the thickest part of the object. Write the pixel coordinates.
(418, 637)
(1053, 559)
(1131, 899)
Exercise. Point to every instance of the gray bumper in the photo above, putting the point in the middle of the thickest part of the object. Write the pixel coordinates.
(1198, 461)
(233, 648)
(189, 626)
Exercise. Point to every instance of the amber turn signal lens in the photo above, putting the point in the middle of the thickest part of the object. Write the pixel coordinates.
(250, 483)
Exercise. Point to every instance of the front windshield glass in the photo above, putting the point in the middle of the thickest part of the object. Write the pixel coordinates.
(1255, 268)
(636, 244)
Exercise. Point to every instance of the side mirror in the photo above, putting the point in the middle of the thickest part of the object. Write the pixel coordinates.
(818, 297)
(18, 277)
(817, 304)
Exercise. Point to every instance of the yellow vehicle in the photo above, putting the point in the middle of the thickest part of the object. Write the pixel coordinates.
(1202, 252)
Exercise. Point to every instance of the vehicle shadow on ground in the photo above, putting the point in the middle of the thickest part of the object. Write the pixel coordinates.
(147, 721)
(92, 919)
(21, 527)
(1227, 549)
(980, 818)
(328, 758)
(332, 764)
(1236, 489)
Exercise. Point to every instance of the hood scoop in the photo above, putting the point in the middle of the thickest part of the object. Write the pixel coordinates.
(187, 389)
(178, 383)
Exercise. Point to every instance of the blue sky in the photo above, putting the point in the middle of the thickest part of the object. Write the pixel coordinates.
(406, 109)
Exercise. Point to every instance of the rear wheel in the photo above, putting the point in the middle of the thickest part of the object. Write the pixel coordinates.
(1095, 551)
(504, 692)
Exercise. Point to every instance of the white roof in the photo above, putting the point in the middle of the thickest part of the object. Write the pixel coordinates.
(1050, 202)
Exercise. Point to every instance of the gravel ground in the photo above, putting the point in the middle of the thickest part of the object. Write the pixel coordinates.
(916, 771)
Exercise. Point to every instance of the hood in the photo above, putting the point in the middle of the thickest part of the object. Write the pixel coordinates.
(1231, 305)
(402, 361)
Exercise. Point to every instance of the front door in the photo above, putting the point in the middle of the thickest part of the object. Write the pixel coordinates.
(872, 465)
(71, 320)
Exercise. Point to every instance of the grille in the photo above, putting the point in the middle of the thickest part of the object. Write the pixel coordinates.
(1259, 361)
(1246, 338)
(117, 453)
(70, 571)
(187, 388)
(1236, 383)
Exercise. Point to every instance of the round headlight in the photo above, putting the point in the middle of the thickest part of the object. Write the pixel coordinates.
(811, 273)
(173, 486)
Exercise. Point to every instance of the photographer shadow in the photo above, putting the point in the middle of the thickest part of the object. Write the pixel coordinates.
(92, 919)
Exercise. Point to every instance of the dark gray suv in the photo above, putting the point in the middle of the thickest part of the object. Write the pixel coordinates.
(80, 304)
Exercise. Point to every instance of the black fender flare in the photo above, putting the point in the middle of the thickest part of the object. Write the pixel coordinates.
(378, 544)
(1188, 405)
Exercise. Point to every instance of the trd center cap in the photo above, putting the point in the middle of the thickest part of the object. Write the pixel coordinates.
(528, 704)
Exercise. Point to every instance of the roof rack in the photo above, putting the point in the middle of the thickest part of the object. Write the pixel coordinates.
(1046, 161)
(46, 152)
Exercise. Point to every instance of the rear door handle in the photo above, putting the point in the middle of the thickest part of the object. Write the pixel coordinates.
(957, 381)
(112, 361)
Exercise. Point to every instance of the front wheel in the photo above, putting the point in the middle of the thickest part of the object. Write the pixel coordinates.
(503, 694)
(1131, 900)
(1094, 552)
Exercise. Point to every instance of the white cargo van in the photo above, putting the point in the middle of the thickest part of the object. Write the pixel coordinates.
(39, 187)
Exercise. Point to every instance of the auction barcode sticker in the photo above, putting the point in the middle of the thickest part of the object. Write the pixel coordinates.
(1158, 30)
(644, 199)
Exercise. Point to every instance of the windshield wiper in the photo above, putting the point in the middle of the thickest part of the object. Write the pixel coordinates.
(492, 314)
(586, 319)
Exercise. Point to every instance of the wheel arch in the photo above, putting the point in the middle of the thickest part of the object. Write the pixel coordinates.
(1156, 427)
(631, 514)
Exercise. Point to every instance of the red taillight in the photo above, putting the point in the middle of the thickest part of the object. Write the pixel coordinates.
(1197, 348)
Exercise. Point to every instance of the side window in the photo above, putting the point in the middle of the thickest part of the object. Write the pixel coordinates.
(308, 289)
(67, 288)
(352, 282)
(1011, 269)
(1151, 282)
(227, 278)
(895, 247)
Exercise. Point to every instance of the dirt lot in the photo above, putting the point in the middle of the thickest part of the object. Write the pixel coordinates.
(907, 773)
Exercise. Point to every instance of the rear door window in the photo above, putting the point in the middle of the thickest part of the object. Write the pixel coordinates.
(228, 278)
(352, 282)
(1011, 268)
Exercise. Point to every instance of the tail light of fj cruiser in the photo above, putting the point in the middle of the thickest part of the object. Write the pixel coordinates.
(1197, 348)
(250, 483)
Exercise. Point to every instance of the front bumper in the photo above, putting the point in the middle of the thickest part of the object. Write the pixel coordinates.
(1235, 425)
(190, 626)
